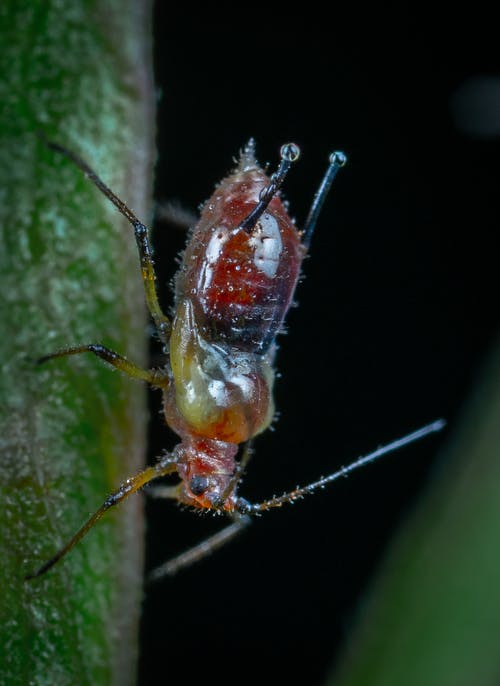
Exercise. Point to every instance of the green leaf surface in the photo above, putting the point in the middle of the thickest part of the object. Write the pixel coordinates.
(72, 429)
(433, 616)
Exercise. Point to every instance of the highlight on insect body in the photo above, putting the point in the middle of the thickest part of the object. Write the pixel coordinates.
(233, 289)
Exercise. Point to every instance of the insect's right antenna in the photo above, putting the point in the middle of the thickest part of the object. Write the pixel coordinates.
(248, 508)
(337, 161)
(289, 153)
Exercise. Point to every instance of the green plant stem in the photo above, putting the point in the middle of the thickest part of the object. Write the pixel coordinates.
(72, 429)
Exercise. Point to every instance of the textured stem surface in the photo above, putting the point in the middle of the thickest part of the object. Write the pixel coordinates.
(71, 429)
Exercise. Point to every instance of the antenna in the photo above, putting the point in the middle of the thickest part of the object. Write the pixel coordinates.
(289, 153)
(337, 161)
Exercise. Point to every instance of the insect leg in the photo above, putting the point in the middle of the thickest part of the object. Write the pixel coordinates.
(163, 467)
(337, 160)
(151, 376)
(162, 322)
(203, 549)
(277, 501)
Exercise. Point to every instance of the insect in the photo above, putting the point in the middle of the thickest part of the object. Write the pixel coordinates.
(233, 289)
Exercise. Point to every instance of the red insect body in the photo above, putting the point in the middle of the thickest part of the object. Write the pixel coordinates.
(241, 284)
(232, 292)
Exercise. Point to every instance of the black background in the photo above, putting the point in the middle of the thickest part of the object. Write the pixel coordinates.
(397, 310)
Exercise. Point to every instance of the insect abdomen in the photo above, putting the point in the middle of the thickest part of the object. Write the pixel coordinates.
(233, 290)
(220, 393)
(241, 284)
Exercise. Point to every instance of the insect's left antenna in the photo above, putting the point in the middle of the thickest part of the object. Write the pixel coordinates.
(278, 501)
(289, 153)
(162, 322)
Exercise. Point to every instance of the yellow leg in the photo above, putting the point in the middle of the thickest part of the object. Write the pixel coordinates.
(162, 322)
(129, 486)
(152, 376)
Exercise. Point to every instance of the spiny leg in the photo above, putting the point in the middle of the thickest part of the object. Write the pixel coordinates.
(203, 549)
(248, 508)
(151, 376)
(132, 485)
(162, 322)
(337, 161)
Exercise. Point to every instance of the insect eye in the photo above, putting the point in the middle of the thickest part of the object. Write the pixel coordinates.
(198, 484)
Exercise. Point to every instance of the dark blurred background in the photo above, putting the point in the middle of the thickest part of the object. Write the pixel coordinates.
(396, 313)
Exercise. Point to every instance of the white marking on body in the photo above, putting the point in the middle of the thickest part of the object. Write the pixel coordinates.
(212, 253)
(245, 385)
(218, 391)
(268, 245)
